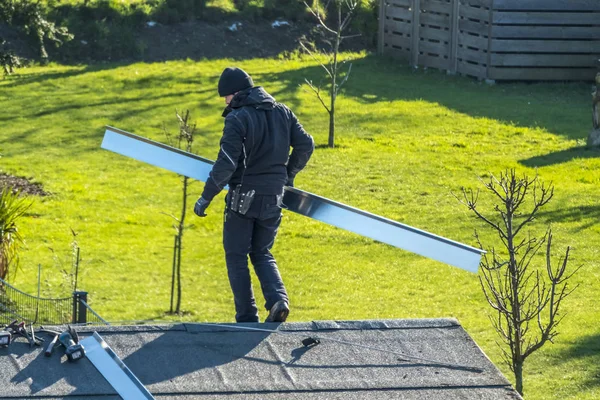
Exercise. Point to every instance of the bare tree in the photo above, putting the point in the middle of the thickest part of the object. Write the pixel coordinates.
(520, 295)
(184, 141)
(334, 37)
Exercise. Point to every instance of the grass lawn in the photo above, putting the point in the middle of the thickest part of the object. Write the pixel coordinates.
(406, 141)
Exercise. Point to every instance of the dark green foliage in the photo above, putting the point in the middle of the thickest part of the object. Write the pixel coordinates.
(8, 60)
(366, 21)
(173, 11)
(291, 10)
(32, 18)
(110, 30)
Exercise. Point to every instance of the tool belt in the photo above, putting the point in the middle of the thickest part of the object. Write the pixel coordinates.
(239, 201)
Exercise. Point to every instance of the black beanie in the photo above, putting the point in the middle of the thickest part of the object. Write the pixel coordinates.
(233, 80)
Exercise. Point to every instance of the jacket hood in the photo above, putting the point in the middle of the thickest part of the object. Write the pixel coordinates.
(255, 96)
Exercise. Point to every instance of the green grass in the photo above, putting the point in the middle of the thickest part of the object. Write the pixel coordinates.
(407, 140)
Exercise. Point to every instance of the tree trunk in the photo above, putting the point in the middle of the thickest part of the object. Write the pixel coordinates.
(519, 376)
(43, 52)
(174, 271)
(180, 233)
(331, 142)
(334, 71)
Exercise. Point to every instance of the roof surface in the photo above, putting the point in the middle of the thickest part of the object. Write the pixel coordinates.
(204, 361)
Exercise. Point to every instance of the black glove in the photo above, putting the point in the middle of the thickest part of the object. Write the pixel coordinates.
(201, 206)
(290, 181)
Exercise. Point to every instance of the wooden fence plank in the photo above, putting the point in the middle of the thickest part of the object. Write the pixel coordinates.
(399, 3)
(480, 14)
(434, 62)
(443, 7)
(476, 3)
(548, 5)
(546, 32)
(435, 34)
(477, 71)
(401, 54)
(545, 18)
(440, 49)
(543, 74)
(435, 19)
(478, 42)
(398, 41)
(544, 60)
(473, 27)
(545, 46)
(399, 13)
(392, 26)
(465, 54)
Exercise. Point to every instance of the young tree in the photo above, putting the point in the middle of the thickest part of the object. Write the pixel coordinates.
(334, 37)
(184, 141)
(520, 295)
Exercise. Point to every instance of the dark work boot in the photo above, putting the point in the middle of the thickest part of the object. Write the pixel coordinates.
(279, 312)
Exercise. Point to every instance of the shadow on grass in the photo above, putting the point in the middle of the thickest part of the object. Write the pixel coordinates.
(379, 80)
(591, 214)
(376, 79)
(562, 156)
(586, 350)
(36, 77)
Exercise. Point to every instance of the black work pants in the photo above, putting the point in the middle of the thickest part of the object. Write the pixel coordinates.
(253, 234)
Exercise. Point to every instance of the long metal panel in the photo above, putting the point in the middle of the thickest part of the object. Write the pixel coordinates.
(322, 209)
(114, 370)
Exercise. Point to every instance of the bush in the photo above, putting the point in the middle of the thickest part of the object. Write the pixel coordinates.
(293, 10)
(8, 60)
(173, 11)
(32, 18)
(366, 21)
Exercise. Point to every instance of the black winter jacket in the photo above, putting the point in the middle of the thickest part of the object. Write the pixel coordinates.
(255, 147)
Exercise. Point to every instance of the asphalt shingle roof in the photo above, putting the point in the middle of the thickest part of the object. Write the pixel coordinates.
(203, 361)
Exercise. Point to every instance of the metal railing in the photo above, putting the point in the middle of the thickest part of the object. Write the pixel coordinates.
(35, 310)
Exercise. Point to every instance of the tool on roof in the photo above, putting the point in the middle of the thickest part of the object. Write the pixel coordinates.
(51, 345)
(5, 338)
(73, 349)
(16, 328)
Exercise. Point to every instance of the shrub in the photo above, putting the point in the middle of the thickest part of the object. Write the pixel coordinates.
(366, 21)
(12, 207)
(32, 18)
(8, 60)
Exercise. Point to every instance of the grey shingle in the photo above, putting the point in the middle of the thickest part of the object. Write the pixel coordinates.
(189, 361)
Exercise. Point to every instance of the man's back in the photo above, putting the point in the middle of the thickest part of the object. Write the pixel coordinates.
(267, 130)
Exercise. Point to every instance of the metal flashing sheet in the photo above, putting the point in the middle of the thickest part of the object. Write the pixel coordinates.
(311, 205)
(113, 369)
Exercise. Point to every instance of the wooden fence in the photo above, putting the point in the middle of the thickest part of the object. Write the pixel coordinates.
(495, 39)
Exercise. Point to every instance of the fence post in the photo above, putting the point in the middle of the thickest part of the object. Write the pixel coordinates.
(416, 24)
(381, 36)
(79, 309)
(489, 46)
(454, 37)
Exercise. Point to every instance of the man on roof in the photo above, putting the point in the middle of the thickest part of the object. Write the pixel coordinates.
(254, 160)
